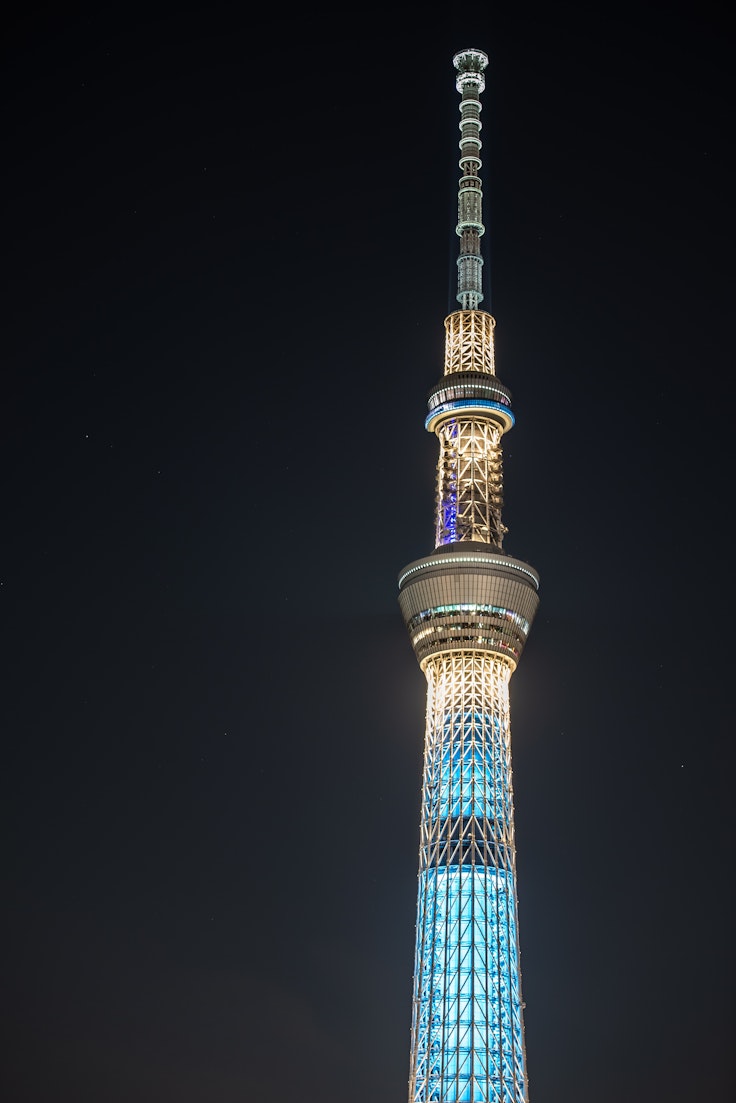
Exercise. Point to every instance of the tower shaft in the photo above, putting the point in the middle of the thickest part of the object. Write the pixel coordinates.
(468, 607)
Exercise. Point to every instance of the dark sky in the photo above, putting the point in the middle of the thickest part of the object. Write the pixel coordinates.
(229, 250)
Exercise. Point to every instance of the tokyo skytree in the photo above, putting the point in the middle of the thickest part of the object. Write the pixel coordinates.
(468, 607)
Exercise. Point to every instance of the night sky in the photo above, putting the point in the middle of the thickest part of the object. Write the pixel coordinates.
(229, 251)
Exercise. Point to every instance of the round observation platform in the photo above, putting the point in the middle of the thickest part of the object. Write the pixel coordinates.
(469, 394)
(468, 597)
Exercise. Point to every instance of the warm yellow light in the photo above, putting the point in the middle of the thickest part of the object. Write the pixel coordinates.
(469, 342)
(469, 482)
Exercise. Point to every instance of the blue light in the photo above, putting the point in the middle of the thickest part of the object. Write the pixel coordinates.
(473, 771)
(461, 404)
(468, 1030)
(469, 1036)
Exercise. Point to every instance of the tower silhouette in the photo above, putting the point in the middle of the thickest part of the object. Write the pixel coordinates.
(468, 607)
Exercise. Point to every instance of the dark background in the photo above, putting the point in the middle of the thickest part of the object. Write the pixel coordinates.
(229, 250)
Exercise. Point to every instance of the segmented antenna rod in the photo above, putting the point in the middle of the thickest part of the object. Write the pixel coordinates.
(470, 82)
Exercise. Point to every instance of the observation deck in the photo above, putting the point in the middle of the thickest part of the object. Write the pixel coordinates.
(468, 394)
(468, 596)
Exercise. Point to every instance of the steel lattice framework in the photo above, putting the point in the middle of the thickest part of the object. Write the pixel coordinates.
(468, 607)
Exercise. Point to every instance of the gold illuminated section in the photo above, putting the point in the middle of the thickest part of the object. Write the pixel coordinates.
(469, 342)
(469, 415)
(469, 482)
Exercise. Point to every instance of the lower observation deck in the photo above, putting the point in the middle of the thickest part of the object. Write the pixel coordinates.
(468, 596)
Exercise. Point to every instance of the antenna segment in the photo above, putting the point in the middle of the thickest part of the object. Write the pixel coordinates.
(470, 65)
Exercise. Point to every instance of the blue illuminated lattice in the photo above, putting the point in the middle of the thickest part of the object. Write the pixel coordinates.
(469, 1028)
(468, 1031)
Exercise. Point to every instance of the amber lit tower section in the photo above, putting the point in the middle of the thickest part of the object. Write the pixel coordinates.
(468, 608)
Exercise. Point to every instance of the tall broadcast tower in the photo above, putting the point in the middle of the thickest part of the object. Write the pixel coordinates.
(468, 607)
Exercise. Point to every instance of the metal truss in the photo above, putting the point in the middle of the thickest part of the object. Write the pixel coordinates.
(469, 482)
(469, 342)
(467, 1030)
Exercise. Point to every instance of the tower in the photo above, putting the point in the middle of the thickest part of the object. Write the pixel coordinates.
(468, 607)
